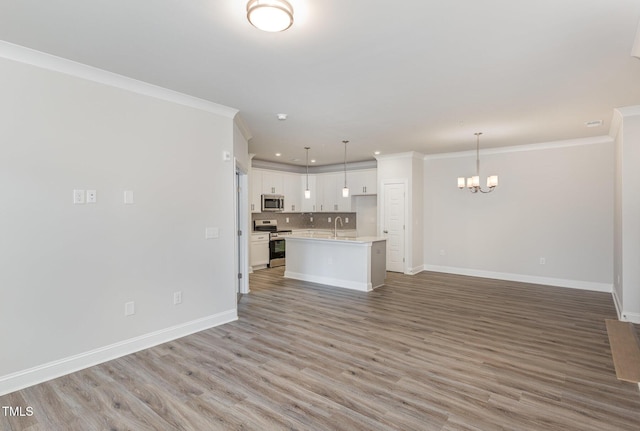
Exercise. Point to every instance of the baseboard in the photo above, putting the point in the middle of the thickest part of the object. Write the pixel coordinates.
(616, 302)
(548, 281)
(32, 376)
(347, 284)
(630, 317)
(415, 270)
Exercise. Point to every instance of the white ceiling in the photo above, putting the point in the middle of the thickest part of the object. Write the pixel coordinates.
(390, 76)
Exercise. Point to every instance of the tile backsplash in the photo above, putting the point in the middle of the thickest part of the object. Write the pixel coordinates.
(304, 220)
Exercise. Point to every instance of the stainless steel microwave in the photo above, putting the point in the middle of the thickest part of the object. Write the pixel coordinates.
(272, 203)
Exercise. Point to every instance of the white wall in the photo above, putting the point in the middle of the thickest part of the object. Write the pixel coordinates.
(67, 270)
(627, 215)
(554, 201)
(406, 167)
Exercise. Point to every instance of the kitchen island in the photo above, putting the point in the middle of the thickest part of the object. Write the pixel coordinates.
(350, 262)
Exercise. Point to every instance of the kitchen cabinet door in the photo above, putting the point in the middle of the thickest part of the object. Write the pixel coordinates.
(255, 190)
(259, 250)
(292, 192)
(272, 183)
(327, 186)
(363, 182)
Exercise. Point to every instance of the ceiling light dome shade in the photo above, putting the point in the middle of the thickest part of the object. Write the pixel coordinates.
(270, 15)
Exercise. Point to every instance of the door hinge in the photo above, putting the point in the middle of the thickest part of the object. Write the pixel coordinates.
(239, 275)
(403, 260)
(239, 233)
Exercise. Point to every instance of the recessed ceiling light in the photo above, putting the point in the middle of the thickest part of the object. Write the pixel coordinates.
(376, 152)
(593, 123)
(282, 117)
(278, 154)
(313, 160)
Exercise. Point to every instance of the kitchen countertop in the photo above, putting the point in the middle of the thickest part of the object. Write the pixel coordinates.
(329, 237)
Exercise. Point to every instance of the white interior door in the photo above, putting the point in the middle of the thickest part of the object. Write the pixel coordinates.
(393, 226)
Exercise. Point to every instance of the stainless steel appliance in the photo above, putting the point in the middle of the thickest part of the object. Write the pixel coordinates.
(276, 240)
(272, 203)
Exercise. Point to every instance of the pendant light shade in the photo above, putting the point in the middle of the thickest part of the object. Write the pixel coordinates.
(345, 190)
(307, 192)
(270, 15)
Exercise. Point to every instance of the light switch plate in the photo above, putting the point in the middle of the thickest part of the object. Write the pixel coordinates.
(211, 232)
(129, 308)
(128, 196)
(78, 197)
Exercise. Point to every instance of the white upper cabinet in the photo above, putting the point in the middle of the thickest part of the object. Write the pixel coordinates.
(363, 182)
(330, 193)
(255, 190)
(326, 189)
(272, 183)
(292, 192)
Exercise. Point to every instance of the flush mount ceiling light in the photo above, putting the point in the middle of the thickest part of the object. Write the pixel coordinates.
(473, 183)
(270, 15)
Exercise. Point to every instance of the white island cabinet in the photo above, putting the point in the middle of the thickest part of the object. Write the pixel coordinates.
(352, 263)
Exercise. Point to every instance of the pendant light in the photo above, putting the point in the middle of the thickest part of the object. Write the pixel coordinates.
(473, 183)
(270, 15)
(345, 190)
(307, 192)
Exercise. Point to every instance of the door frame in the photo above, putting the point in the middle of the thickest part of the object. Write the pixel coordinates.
(407, 216)
(241, 244)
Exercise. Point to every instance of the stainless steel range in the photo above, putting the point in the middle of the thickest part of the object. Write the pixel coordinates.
(276, 240)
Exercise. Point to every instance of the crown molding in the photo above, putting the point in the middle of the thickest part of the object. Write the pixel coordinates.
(43, 60)
(275, 166)
(407, 155)
(553, 145)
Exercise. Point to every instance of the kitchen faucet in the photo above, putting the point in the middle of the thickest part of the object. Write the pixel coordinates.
(335, 226)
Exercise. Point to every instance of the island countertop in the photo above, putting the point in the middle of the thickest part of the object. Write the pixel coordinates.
(325, 237)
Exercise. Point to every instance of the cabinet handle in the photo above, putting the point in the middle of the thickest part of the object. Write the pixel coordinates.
(253, 207)
(335, 207)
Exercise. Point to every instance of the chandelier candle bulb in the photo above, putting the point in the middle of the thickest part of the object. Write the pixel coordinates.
(461, 182)
(492, 181)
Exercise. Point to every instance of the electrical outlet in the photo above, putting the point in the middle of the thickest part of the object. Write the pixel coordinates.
(442, 252)
(329, 220)
(177, 297)
(346, 219)
(129, 308)
(78, 197)
(92, 197)
(543, 261)
(287, 219)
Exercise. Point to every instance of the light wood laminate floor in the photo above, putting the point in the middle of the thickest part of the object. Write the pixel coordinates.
(425, 352)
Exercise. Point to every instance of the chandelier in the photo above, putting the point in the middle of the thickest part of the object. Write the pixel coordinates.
(473, 183)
